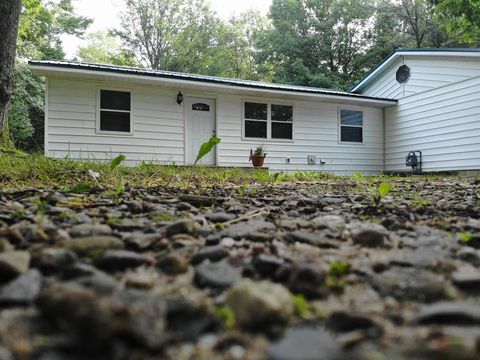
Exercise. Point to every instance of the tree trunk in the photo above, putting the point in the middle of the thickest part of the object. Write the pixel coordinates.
(9, 18)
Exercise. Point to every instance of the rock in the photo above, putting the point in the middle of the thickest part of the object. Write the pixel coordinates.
(135, 206)
(267, 265)
(473, 224)
(183, 227)
(119, 260)
(423, 257)
(198, 200)
(369, 235)
(244, 229)
(93, 245)
(410, 284)
(314, 239)
(260, 303)
(212, 253)
(50, 260)
(23, 290)
(305, 343)
(220, 275)
(448, 313)
(5, 354)
(332, 222)
(142, 241)
(127, 225)
(219, 217)
(13, 263)
(469, 255)
(187, 321)
(467, 279)
(307, 280)
(146, 317)
(173, 264)
(340, 321)
(86, 230)
(99, 282)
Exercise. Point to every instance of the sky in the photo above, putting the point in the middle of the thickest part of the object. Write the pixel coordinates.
(105, 15)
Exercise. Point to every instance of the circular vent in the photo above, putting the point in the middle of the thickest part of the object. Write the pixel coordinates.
(403, 74)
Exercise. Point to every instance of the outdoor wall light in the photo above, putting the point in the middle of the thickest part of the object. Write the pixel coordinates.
(179, 98)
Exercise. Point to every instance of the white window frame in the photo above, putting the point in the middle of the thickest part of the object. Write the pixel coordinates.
(339, 115)
(269, 121)
(105, 132)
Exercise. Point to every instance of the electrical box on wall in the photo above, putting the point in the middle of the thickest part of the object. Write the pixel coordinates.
(311, 159)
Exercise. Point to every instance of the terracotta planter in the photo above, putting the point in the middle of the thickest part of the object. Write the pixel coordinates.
(257, 160)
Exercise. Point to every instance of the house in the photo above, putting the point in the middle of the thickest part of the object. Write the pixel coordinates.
(427, 100)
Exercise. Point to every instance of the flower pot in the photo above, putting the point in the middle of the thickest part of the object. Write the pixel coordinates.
(257, 160)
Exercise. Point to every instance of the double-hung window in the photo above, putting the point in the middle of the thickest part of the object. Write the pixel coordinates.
(351, 126)
(268, 121)
(115, 111)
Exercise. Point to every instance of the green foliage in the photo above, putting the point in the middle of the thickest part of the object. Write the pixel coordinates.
(116, 161)
(104, 48)
(461, 18)
(80, 188)
(338, 268)
(302, 306)
(206, 147)
(384, 189)
(226, 315)
(41, 25)
(466, 236)
(26, 118)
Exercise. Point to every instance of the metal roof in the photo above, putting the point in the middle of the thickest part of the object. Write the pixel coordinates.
(411, 51)
(196, 78)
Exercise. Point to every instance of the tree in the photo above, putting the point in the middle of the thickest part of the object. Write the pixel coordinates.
(9, 18)
(41, 25)
(316, 42)
(176, 35)
(462, 18)
(103, 48)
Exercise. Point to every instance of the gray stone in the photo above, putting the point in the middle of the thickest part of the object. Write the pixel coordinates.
(267, 265)
(117, 260)
(142, 241)
(369, 235)
(314, 239)
(467, 278)
(306, 343)
(93, 245)
(13, 263)
(219, 217)
(173, 264)
(219, 275)
(85, 230)
(448, 313)
(469, 255)
(198, 200)
(244, 229)
(260, 303)
(410, 284)
(212, 253)
(341, 321)
(52, 259)
(23, 290)
(183, 227)
(332, 222)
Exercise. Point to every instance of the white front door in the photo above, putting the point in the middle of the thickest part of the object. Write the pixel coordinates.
(200, 122)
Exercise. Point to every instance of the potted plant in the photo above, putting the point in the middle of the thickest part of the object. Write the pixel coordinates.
(258, 156)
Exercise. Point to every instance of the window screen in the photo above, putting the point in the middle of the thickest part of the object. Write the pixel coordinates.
(351, 126)
(115, 111)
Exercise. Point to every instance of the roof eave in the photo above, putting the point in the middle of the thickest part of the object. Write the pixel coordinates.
(47, 69)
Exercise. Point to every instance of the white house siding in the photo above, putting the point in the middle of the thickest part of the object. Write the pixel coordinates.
(443, 123)
(157, 121)
(315, 133)
(426, 72)
(159, 130)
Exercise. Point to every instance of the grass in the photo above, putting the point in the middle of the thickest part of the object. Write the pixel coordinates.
(79, 176)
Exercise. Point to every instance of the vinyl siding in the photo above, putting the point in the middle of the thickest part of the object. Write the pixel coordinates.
(443, 123)
(158, 136)
(426, 73)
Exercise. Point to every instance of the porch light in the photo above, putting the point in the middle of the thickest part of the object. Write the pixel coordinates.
(179, 98)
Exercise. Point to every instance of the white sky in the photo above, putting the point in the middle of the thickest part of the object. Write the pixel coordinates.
(105, 15)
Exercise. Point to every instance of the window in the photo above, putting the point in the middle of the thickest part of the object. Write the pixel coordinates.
(268, 121)
(115, 111)
(351, 126)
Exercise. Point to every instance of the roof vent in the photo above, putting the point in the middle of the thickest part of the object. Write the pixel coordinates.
(403, 74)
